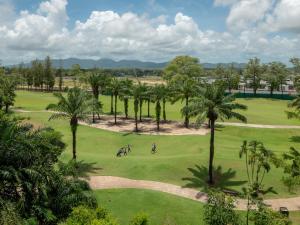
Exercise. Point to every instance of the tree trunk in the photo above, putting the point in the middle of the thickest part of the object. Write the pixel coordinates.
(116, 99)
(211, 151)
(158, 111)
(94, 117)
(141, 105)
(164, 110)
(148, 101)
(186, 120)
(136, 108)
(111, 104)
(281, 84)
(126, 107)
(74, 123)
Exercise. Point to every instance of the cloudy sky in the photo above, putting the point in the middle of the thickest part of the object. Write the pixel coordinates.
(154, 30)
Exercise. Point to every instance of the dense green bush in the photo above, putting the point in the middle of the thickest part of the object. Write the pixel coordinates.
(140, 219)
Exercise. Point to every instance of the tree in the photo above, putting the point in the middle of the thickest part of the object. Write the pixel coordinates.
(257, 162)
(48, 74)
(115, 88)
(213, 104)
(75, 106)
(31, 187)
(183, 66)
(142, 97)
(277, 74)
(37, 69)
(184, 89)
(254, 70)
(94, 80)
(229, 76)
(7, 92)
(125, 94)
(157, 96)
(136, 92)
(219, 210)
(291, 166)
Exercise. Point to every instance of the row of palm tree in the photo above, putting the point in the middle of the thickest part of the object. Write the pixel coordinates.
(209, 102)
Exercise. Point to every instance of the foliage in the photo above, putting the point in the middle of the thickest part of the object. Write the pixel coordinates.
(48, 74)
(140, 219)
(74, 107)
(183, 66)
(254, 71)
(265, 216)
(291, 166)
(30, 186)
(229, 76)
(275, 75)
(7, 92)
(219, 210)
(82, 215)
(213, 104)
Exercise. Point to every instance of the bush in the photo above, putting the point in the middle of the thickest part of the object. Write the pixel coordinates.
(265, 216)
(140, 219)
(219, 210)
(88, 216)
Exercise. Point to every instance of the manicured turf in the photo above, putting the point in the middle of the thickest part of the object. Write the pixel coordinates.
(261, 111)
(178, 157)
(161, 208)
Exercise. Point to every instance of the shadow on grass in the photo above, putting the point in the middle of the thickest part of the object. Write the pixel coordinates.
(78, 168)
(223, 180)
(295, 139)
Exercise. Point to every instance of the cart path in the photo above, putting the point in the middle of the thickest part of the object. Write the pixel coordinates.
(185, 132)
(111, 182)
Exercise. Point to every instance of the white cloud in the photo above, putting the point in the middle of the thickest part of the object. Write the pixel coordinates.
(131, 36)
(245, 13)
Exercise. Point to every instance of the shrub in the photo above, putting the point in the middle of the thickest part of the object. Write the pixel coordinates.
(140, 219)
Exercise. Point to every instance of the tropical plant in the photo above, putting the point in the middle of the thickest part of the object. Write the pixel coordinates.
(48, 74)
(258, 162)
(31, 188)
(291, 166)
(74, 107)
(213, 104)
(136, 92)
(219, 210)
(184, 89)
(157, 96)
(140, 219)
(143, 96)
(125, 94)
(115, 88)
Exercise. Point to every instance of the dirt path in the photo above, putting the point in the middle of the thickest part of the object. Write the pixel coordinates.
(110, 182)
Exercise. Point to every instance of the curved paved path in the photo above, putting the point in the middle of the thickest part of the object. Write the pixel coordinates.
(110, 182)
(269, 126)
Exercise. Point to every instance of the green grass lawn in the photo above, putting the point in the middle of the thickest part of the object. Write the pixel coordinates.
(180, 160)
(126, 203)
(261, 111)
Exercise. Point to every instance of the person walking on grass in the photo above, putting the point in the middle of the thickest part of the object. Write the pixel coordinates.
(153, 149)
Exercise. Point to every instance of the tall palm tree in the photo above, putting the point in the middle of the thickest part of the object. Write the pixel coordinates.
(157, 96)
(184, 89)
(213, 104)
(125, 94)
(143, 95)
(115, 88)
(75, 106)
(136, 92)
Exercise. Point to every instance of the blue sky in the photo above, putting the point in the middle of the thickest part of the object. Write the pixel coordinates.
(154, 30)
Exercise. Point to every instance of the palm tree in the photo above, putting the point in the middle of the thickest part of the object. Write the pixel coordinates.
(157, 96)
(212, 104)
(75, 106)
(125, 94)
(136, 92)
(184, 89)
(115, 88)
(148, 99)
(143, 95)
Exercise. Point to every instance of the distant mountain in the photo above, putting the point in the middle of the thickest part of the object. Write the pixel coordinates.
(112, 64)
